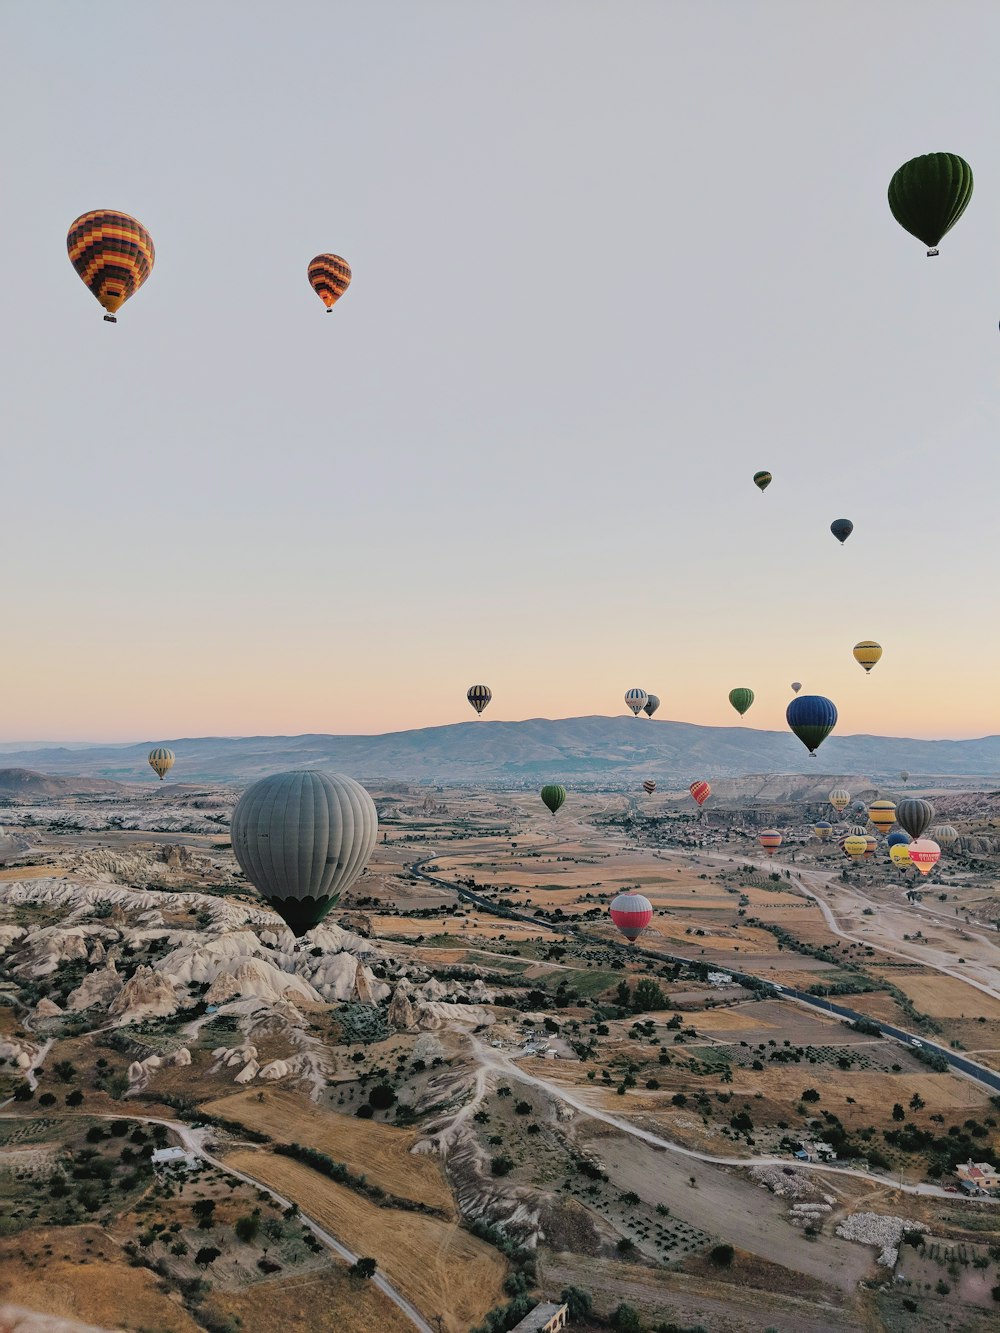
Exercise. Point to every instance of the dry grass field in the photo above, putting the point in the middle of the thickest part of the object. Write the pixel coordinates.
(62, 1274)
(381, 1152)
(438, 1266)
(473, 927)
(944, 997)
(312, 1303)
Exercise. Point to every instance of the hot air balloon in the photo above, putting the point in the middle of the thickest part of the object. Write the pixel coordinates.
(867, 653)
(897, 838)
(841, 529)
(811, 717)
(631, 913)
(857, 831)
(882, 814)
(741, 699)
(924, 854)
(914, 815)
(928, 194)
(553, 796)
(839, 799)
(944, 834)
(113, 254)
(302, 839)
(636, 699)
(905, 776)
(651, 705)
(796, 686)
(899, 855)
(479, 696)
(701, 791)
(649, 786)
(871, 845)
(823, 829)
(329, 277)
(762, 480)
(161, 761)
(855, 846)
(770, 839)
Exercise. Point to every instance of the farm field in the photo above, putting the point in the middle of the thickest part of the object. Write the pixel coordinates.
(381, 1152)
(437, 1265)
(313, 1303)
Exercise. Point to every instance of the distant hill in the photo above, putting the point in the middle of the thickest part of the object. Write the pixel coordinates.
(585, 750)
(25, 785)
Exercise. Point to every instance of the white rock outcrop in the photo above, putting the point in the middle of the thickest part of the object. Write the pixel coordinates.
(98, 987)
(46, 1008)
(146, 994)
(248, 1073)
(879, 1229)
(258, 979)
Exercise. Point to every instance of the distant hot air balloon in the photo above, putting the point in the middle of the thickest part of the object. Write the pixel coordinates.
(302, 839)
(161, 761)
(631, 913)
(928, 194)
(899, 855)
(867, 653)
(741, 699)
(839, 798)
(914, 815)
(636, 699)
(882, 814)
(770, 839)
(944, 834)
(871, 845)
(649, 786)
(855, 846)
(762, 480)
(553, 796)
(113, 254)
(479, 696)
(823, 829)
(811, 717)
(701, 791)
(924, 854)
(905, 776)
(897, 838)
(857, 831)
(841, 529)
(651, 705)
(796, 686)
(329, 277)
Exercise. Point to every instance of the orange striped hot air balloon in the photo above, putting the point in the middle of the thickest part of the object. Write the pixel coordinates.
(701, 791)
(329, 277)
(113, 254)
(770, 839)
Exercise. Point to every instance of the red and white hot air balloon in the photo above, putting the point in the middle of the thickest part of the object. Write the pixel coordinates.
(701, 791)
(924, 854)
(631, 913)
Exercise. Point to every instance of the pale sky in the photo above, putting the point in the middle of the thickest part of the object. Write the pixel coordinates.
(609, 260)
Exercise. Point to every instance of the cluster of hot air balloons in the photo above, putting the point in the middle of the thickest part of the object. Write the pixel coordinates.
(114, 255)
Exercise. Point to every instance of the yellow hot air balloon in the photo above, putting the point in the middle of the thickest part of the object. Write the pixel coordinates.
(899, 855)
(882, 814)
(867, 653)
(855, 846)
(161, 760)
(839, 799)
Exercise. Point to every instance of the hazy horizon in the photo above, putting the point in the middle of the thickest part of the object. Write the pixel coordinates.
(608, 262)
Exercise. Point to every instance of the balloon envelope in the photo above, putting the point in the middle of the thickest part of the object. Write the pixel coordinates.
(855, 846)
(924, 854)
(882, 814)
(839, 798)
(897, 838)
(867, 653)
(161, 760)
(649, 786)
(741, 699)
(899, 854)
(553, 796)
(636, 699)
(811, 717)
(823, 829)
(302, 839)
(329, 277)
(479, 696)
(944, 834)
(631, 913)
(770, 839)
(113, 254)
(796, 686)
(914, 815)
(651, 705)
(701, 791)
(762, 480)
(841, 529)
(928, 194)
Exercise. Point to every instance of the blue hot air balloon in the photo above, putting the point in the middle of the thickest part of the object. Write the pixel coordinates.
(897, 837)
(841, 529)
(811, 717)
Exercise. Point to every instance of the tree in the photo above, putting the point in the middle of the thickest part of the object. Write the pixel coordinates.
(625, 1246)
(648, 996)
(247, 1229)
(897, 1112)
(501, 1165)
(810, 1095)
(577, 1301)
(74, 1098)
(722, 1255)
(625, 1319)
(364, 1268)
(382, 1096)
(917, 1102)
(522, 1108)
(47, 1099)
(64, 1070)
(206, 1256)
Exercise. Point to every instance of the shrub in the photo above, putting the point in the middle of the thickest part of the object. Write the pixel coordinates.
(722, 1255)
(364, 1268)
(501, 1165)
(382, 1096)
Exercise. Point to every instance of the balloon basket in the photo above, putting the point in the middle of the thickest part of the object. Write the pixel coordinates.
(110, 319)
(932, 254)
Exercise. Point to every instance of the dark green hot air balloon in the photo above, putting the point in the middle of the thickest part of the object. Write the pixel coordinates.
(741, 699)
(811, 717)
(928, 195)
(553, 796)
(841, 529)
(762, 480)
(914, 815)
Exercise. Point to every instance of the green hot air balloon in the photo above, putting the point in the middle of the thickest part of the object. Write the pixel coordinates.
(928, 195)
(553, 796)
(741, 699)
(914, 815)
(302, 839)
(762, 480)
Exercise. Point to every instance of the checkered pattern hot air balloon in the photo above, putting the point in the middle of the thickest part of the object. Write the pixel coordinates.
(113, 254)
(329, 277)
(701, 791)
